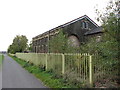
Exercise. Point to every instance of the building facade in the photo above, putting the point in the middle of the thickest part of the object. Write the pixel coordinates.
(77, 30)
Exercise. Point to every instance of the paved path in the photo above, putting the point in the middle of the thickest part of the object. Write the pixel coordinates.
(14, 76)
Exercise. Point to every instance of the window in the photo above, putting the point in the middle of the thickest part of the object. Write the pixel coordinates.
(85, 25)
(73, 41)
(98, 38)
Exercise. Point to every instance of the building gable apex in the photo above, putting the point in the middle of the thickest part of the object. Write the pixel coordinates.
(80, 18)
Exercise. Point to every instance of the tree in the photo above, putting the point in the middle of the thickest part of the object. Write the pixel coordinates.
(30, 46)
(19, 44)
(109, 48)
(60, 44)
(111, 24)
(57, 44)
(11, 49)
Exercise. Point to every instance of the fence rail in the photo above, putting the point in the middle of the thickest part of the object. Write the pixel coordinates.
(75, 67)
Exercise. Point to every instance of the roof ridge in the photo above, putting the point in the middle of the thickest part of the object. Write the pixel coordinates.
(68, 23)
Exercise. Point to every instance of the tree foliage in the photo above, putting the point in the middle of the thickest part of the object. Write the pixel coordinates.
(110, 45)
(108, 49)
(60, 44)
(19, 44)
(30, 46)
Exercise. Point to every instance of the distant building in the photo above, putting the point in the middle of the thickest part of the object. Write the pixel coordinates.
(77, 30)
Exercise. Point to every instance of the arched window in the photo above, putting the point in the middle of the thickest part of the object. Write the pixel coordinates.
(85, 25)
(73, 41)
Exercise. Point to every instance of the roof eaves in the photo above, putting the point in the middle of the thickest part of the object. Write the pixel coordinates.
(94, 31)
(68, 23)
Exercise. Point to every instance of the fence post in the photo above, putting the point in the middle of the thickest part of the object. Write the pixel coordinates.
(90, 71)
(46, 62)
(63, 64)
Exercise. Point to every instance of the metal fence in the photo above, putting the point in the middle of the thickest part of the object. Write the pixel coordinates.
(84, 69)
(105, 71)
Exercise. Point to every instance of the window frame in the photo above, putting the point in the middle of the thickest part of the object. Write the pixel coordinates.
(85, 25)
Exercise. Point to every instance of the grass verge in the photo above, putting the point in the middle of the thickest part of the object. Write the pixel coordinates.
(46, 77)
(1, 58)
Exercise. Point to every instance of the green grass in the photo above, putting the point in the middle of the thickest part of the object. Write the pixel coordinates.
(49, 79)
(1, 58)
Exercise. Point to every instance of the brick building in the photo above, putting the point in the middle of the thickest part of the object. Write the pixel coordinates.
(77, 31)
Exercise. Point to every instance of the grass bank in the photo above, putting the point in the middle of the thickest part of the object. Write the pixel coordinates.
(1, 58)
(48, 78)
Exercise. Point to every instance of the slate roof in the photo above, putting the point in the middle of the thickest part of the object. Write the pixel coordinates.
(94, 31)
(66, 24)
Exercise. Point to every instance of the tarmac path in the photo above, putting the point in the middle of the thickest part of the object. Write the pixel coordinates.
(14, 76)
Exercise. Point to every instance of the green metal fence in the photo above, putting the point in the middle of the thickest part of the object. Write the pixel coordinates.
(84, 69)
(72, 66)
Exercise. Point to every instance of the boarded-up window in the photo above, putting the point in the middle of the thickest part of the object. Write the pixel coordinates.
(73, 41)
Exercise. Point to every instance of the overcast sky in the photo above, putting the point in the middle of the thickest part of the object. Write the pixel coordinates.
(33, 17)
